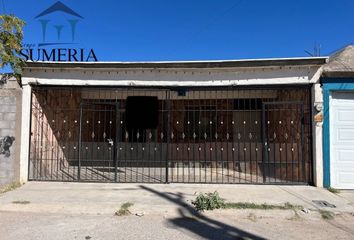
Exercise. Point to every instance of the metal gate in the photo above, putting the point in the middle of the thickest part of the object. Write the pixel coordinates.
(283, 158)
(187, 135)
(97, 138)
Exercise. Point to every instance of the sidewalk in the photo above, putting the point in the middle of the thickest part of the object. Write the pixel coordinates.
(57, 211)
(160, 199)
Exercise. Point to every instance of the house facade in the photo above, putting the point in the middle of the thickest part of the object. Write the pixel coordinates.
(244, 121)
(338, 126)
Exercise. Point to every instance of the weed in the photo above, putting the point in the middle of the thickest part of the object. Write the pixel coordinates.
(10, 187)
(211, 201)
(333, 190)
(208, 201)
(124, 209)
(21, 202)
(327, 215)
(263, 206)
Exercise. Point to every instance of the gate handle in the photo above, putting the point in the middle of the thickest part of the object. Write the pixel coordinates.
(110, 141)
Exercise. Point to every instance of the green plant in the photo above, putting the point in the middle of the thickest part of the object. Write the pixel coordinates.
(333, 190)
(11, 35)
(327, 215)
(208, 201)
(263, 206)
(124, 209)
(21, 202)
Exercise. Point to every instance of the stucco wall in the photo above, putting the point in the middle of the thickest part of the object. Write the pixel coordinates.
(10, 127)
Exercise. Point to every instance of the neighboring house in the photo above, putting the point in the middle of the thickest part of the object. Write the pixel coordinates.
(338, 126)
(242, 121)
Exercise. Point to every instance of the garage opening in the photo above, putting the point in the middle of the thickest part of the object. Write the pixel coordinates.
(188, 135)
(342, 139)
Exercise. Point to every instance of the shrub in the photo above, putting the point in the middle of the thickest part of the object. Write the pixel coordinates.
(208, 201)
(124, 209)
(326, 215)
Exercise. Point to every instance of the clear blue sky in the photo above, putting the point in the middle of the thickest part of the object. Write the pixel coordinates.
(140, 30)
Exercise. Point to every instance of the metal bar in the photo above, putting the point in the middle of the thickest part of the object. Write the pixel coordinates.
(302, 144)
(264, 141)
(168, 108)
(115, 144)
(79, 145)
(32, 133)
(286, 122)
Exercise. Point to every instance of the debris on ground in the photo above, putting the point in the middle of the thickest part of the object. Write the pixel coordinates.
(139, 214)
(305, 210)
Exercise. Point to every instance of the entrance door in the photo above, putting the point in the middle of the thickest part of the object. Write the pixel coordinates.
(342, 140)
(124, 141)
(97, 142)
(283, 137)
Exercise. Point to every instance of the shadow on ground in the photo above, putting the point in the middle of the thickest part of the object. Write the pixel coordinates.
(199, 224)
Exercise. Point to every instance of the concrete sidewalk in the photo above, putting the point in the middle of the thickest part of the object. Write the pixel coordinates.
(158, 199)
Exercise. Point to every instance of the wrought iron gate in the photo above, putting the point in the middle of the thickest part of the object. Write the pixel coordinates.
(97, 139)
(283, 140)
(194, 135)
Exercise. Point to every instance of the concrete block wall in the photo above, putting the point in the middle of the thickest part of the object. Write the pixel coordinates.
(10, 131)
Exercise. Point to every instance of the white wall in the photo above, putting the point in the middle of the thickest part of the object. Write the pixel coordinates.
(25, 132)
(317, 100)
(170, 77)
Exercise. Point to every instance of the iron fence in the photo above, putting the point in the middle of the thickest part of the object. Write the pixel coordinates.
(188, 135)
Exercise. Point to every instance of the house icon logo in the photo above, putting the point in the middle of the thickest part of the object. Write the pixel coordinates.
(49, 24)
(59, 27)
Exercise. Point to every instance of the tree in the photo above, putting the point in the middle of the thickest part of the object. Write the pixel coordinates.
(11, 35)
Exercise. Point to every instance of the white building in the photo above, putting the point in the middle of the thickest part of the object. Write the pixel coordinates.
(242, 121)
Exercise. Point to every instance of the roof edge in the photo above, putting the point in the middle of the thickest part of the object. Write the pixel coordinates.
(338, 74)
(267, 62)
